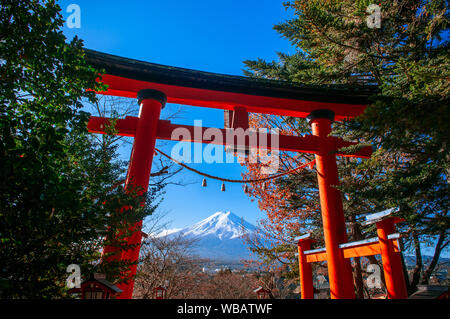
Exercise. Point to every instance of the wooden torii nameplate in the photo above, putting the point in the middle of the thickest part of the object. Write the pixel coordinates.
(154, 85)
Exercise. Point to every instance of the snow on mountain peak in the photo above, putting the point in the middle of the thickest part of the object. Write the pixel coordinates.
(219, 236)
(222, 224)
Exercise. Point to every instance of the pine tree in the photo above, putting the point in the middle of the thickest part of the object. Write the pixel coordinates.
(406, 62)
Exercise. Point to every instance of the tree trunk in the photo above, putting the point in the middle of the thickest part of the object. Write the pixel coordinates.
(437, 252)
(405, 269)
(358, 278)
(357, 271)
(418, 268)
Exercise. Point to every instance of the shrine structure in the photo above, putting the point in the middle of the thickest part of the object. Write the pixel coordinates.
(155, 85)
(385, 244)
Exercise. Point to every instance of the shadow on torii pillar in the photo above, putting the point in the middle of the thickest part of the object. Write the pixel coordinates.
(155, 85)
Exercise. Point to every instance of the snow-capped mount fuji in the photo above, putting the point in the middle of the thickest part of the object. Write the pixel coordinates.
(224, 225)
(218, 237)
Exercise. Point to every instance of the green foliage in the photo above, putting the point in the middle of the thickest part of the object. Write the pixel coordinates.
(407, 61)
(59, 191)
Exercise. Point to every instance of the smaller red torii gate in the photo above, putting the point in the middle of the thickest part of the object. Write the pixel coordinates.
(154, 85)
(386, 245)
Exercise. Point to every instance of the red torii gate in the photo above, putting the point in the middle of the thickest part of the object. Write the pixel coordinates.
(154, 85)
(385, 244)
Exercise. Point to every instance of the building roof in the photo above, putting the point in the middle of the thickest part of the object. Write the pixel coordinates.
(260, 289)
(109, 285)
(101, 279)
(429, 292)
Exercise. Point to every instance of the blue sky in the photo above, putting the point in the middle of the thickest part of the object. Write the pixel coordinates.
(214, 36)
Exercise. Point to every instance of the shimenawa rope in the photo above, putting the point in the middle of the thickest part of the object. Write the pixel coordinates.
(235, 180)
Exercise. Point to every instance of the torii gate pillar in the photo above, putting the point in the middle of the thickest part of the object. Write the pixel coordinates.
(392, 260)
(339, 269)
(305, 269)
(151, 103)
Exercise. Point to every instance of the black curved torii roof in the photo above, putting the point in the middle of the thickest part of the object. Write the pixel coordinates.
(117, 67)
